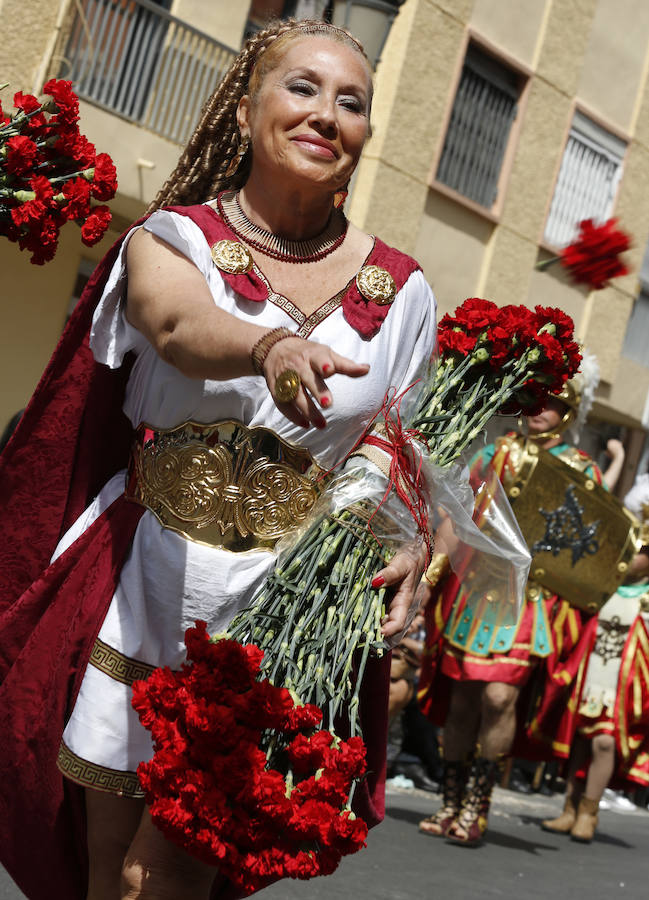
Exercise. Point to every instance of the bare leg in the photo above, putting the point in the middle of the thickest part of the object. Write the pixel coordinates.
(498, 721)
(564, 822)
(578, 759)
(112, 823)
(155, 869)
(601, 766)
(461, 726)
(495, 737)
(458, 741)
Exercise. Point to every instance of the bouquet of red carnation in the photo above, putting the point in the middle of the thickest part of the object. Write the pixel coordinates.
(317, 618)
(242, 776)
(50, 173)
(594, 257)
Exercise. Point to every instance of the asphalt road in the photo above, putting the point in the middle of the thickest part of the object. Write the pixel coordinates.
(518, 861)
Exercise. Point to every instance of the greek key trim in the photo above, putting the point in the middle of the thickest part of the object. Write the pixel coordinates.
(117, 666)
(101, 778)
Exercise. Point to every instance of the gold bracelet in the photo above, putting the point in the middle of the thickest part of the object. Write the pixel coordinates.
(263, 347)
(439, 564)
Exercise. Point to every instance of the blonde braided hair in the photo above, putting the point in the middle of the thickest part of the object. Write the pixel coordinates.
(202, 167)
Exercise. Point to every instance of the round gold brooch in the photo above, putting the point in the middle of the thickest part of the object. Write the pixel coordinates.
(232, 257)
(376, 284)
(287, 386)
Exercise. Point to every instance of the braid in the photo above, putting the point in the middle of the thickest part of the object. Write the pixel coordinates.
(201, 169)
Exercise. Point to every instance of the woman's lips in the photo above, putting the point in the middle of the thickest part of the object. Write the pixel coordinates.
(316, 145)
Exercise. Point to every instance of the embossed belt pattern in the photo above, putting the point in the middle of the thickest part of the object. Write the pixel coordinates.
(224, 484)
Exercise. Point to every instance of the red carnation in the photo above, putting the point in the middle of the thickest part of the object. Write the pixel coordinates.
(34, 211)
(104, 182)
(67, 102)
(22, 153)
(96, 225)
(28, 104)
(453, 340)
(77, 193)
(477, 313)
(347, 833)
(77, 146)
(593, 258)
(42, 240)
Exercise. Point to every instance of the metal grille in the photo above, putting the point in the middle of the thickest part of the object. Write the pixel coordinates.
(483, 111)
(135, 59)
(590, 172)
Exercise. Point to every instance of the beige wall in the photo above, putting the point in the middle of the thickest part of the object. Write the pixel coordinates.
(142, 158)
(513, 27)
(221, 19)
(34, 302)
(616, 55)
(594, 53)
(28, 30)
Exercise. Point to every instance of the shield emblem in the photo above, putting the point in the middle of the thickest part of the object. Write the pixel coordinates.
(581, 537)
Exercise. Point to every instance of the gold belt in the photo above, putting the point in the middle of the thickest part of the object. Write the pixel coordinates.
(224, 485)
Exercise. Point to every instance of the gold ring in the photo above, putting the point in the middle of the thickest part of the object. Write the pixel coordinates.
(287, 386)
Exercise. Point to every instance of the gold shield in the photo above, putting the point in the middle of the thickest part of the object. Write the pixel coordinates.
(581, 537)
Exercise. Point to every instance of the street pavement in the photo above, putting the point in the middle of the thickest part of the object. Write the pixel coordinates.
(518, 861)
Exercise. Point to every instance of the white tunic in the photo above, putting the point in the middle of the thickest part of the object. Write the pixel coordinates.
(167, 582)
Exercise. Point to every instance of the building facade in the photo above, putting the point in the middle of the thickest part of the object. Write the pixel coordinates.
(497, 126)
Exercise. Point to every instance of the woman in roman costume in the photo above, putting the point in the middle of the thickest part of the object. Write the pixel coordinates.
(245, 316)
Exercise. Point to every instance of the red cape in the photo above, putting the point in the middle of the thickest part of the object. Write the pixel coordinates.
(72, 438)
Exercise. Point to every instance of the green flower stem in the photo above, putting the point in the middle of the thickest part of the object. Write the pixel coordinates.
(317, 618)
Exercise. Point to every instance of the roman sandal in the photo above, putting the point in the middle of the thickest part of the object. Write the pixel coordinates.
(471, 823)
(454, 779)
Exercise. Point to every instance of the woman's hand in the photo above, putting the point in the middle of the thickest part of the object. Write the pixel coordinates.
(313, 363)
(403, 575)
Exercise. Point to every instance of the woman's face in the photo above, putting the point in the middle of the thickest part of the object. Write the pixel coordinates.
(549, 417)
(310, 119)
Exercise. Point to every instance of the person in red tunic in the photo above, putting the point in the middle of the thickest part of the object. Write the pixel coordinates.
(473, 672)
(612, 739)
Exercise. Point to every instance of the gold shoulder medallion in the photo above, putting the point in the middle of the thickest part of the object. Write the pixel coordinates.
(232, 257)
(376, 284)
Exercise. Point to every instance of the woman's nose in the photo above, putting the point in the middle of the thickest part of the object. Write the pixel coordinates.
(324, 113)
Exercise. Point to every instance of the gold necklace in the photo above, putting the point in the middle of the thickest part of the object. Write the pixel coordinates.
(310, 250)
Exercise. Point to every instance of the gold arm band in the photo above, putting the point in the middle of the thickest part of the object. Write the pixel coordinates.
(224, 485)
(439, 566)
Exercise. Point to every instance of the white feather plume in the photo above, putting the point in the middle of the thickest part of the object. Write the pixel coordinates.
(586, 381)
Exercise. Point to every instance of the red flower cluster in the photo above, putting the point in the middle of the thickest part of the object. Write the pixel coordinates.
(594, 258)
(50, 173)
(539, 343)
(240, 776)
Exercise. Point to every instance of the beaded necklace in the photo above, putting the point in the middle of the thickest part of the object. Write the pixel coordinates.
(311, 250)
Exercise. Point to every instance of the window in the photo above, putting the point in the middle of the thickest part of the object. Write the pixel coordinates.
(484, 109)
(590, 172)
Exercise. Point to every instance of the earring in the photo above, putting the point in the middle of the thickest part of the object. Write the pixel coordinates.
(339, 199)
(237, 159)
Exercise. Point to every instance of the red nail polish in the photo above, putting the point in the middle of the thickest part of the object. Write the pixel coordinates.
(378, 581)
(326, 368)
(325, 401)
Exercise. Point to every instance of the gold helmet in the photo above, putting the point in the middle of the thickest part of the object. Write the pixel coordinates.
(577, 395)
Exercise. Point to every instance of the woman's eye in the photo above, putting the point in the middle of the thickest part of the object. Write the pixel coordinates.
(352, 103)
(301, 87)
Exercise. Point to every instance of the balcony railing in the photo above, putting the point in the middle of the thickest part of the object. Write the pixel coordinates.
(135, 59)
